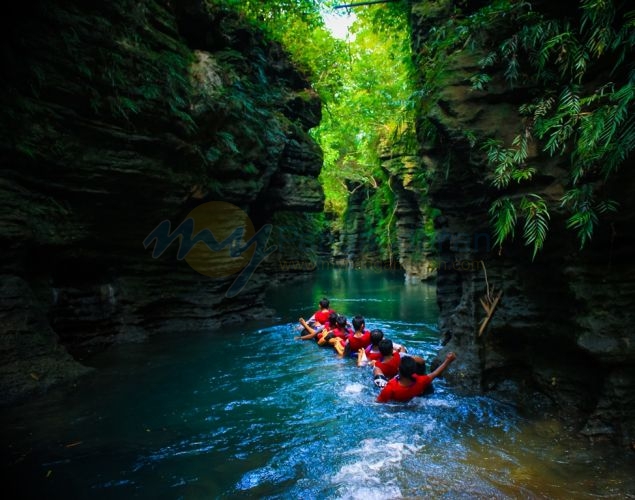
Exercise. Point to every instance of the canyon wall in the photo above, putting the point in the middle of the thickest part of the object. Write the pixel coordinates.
(562, 335)
(404, 214)
(116, 117)
(415, 247)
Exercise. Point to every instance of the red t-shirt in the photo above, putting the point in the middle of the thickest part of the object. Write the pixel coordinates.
(370, 354)
(390, 368)
(394, 391)
(357, 343)
(341, 332)
(322, 316)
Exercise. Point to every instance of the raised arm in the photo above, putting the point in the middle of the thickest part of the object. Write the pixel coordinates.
(441, 368)
(312, 333)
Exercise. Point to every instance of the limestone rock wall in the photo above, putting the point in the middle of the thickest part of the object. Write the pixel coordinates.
(563, 332)
(404, 213)
(415, 247)
(117, 116)
(353, 244)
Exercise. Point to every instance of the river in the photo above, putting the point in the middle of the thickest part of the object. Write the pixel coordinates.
(248, 412)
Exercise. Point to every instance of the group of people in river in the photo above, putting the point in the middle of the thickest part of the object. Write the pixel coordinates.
(399, 375)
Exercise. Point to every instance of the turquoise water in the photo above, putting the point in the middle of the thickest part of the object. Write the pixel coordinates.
(249, 413)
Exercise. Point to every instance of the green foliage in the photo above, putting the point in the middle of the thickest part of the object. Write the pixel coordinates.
(504, 213)
(227, 139)
(536, 215)
(584, 207)
(379, 210)
(371, 112)
(116, 71)
(298, 235)
(365, 86)
(425, 238)
(509, 162)
(465, 32)
(503, 216)
(297, 25)
(480, 80)
(572, 114)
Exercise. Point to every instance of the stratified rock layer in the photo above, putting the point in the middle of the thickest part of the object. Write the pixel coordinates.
(118, 116)
(415, 249)
(564, 325)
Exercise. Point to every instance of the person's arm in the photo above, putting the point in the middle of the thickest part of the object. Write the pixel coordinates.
(376, 369)
(441, 368)
(347, 349)
(312, 333)
(327, 335)
(399, 348)
(361, 357)
(339, 347)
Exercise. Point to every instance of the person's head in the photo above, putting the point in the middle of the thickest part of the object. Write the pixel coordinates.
(358, 323)
(376, 337)
(420, 368)
(385, 347)
(407, 366)
(341, 321)
(324, 303)
(333, 320)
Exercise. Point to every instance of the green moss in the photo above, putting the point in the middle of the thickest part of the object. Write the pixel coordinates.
(110, 62)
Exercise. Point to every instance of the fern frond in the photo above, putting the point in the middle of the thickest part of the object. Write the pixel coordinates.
(584, 221)
(536, 224)
(503, 218)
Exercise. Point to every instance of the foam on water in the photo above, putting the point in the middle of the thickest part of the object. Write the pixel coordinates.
(247, 412)
(354, 388)
(371, 473)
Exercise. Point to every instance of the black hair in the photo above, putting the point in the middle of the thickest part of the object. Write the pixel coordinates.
(324, 303)
(376, 337)
(420, 369)
(341, 320)
(385, 347)
(333, 319)
(407, 366)
(358, 322)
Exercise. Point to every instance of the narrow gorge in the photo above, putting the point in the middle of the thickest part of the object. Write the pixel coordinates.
(560, 338)
(119, 116)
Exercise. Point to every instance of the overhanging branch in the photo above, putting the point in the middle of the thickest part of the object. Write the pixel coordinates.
(369, 2)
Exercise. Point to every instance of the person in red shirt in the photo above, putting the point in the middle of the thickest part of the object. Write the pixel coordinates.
(319, 331)
(408, 384)
(317, 322)
(360, 339)
(388, 366)
(321, 316)
(337, 336)
(372, 351)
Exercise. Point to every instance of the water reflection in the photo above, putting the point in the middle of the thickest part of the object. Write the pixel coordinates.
(369, 293)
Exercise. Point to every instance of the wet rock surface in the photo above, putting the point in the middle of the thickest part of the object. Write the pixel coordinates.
(117, 117)
(563, 330)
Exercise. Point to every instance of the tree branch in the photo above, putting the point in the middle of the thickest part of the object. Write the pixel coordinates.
(369, 2)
